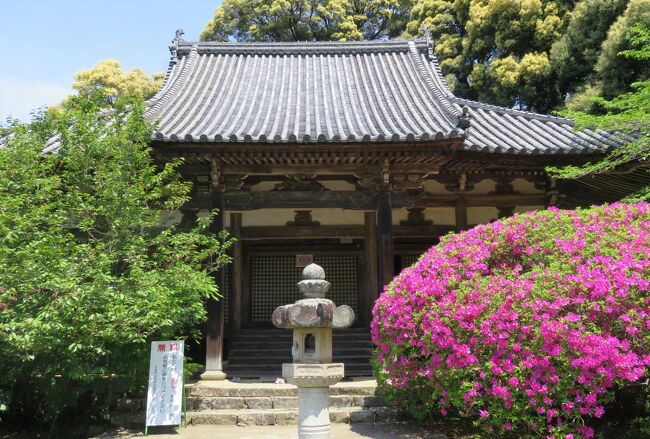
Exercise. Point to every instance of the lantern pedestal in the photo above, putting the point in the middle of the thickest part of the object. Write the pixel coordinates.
(313, 381)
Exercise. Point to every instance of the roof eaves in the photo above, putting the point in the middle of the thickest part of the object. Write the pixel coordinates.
(512, 111)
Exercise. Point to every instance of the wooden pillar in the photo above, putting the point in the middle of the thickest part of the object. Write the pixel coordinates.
(245, 288)
(461, 214)
(369, 289)
(385, 253)
(237, 273)
(215, 308)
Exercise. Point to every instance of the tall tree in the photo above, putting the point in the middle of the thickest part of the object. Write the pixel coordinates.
(575, 53)
(113, 83)
(618, 72)
(495, 50)
(307, 20)
(445, 21)
(89, 276)
(627, 116)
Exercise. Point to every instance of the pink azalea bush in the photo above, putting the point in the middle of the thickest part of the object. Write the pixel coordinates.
(528, 323)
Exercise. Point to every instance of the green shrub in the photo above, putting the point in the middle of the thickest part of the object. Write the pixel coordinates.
(530, 324)
(88, 277)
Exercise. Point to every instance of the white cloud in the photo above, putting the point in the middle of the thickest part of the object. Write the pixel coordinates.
(18, 97)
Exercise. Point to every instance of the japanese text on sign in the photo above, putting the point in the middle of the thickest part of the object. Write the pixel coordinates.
(165, 397)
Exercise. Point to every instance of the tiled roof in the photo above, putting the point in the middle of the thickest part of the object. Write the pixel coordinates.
(341, 93)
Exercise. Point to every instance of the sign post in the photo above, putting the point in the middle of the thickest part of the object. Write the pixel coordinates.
(166, 395)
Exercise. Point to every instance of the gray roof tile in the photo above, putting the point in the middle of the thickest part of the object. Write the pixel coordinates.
(340, 92)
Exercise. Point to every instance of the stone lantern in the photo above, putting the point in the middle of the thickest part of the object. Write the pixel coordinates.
(312, 371)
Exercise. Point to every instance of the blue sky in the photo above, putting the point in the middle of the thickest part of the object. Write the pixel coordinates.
(46, 41)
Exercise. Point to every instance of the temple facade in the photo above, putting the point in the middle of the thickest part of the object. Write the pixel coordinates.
(353, 155)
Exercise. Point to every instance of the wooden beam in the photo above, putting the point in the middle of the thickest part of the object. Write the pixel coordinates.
(439, 146)
(215, 310)
(302, 169)
(362, 200)
(325, 169)
(237, 273)
(256, 233)
(385, 253)
(301, 232)
(425, 199)
(432, 231)
(242, 201)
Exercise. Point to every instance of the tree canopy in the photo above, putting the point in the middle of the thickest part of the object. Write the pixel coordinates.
(307, 20)
(627, 116)
(89, 274)
(108, 75)
(529, 54)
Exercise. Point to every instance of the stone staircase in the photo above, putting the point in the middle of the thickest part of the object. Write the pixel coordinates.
(254, 403)
(259, 353)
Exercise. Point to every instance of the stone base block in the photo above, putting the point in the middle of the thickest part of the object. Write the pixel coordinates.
(213, 375)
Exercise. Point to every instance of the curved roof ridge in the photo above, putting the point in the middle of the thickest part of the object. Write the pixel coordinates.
(434, 85)
(435, 65)
(171, 85)
(299, 47)
(530, 114)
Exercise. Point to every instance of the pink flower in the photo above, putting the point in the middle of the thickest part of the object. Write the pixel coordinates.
(599, 411)
(545, 309)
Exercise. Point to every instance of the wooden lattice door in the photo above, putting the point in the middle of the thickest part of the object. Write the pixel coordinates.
(273, 282)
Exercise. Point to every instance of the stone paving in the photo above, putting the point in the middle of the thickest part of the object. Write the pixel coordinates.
(339, 431)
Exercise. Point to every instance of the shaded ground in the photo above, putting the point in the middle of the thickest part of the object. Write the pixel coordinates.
(339, 431)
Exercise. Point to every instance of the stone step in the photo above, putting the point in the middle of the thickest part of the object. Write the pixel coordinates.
(256, 369)
(273, 357)
(284, 417)
(198, 403)
(277, 333)
(363, 387)
(289, 335)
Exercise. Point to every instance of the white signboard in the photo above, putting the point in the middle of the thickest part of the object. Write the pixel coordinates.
(165, 396)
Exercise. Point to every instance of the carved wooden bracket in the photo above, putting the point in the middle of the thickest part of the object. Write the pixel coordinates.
(459, 183)
(216, 175)
(380, 181)
(234, 182)
(301, 183)
(202, 183)
(408, 182)
(303, 218)
(416, 218)
(367, 182)
(504, 186)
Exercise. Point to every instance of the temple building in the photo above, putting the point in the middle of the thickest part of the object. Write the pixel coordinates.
(353, 155)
